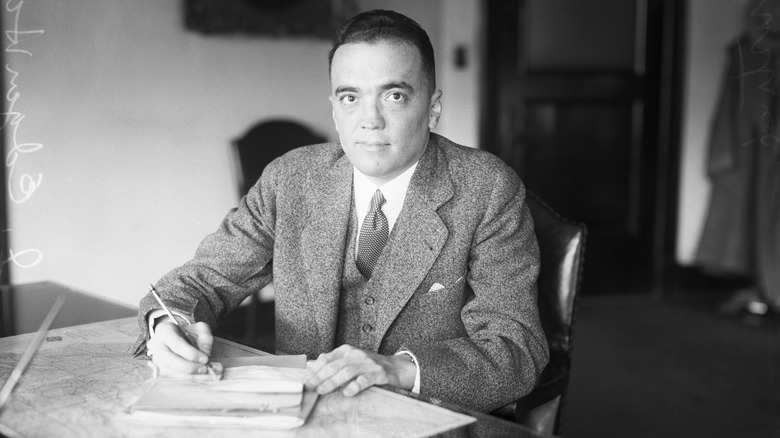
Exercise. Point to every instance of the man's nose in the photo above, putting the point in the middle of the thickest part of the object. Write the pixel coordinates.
(372, 116)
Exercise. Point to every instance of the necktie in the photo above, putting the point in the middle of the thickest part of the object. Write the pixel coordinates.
(373, 236)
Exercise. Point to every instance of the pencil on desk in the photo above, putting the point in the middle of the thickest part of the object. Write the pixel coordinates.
(182, 332)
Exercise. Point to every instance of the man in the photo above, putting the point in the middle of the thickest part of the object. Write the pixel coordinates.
(399, 257)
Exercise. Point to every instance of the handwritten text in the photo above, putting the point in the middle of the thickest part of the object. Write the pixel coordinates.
(21, 186)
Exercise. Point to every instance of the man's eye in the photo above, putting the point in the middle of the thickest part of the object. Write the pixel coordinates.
(348, 98)
(395, 97)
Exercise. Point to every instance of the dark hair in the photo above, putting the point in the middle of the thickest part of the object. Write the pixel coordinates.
(381, 25)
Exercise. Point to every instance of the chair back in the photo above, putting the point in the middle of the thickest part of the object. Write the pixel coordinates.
(561, 247)
(264, 142)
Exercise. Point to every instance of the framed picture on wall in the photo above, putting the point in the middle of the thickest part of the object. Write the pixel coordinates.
(279, 18)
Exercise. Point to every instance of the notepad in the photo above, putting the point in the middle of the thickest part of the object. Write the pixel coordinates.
(250, 393)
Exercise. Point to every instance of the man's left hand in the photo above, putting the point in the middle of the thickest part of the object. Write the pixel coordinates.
(356, 370)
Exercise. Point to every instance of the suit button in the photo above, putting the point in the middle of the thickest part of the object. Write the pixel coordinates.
(367, 328)
(369, 300)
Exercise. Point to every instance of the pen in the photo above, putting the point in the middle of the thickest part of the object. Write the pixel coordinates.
(181, 331)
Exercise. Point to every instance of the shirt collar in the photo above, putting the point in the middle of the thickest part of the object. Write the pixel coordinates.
(394, 192)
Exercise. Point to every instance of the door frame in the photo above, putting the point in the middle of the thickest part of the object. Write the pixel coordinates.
(665, 147)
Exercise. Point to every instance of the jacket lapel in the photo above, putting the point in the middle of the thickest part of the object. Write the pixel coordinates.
(324, 244)
(417, 237)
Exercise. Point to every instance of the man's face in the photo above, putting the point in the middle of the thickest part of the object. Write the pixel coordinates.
(383, 107)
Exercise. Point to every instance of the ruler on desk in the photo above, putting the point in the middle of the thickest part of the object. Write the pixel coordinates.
(21, 366)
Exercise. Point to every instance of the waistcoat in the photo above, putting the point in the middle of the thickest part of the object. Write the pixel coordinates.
(359, 299)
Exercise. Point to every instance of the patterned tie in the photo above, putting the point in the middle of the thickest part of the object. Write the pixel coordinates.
(373, 236)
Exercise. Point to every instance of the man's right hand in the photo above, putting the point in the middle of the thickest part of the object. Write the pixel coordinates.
(173, 355)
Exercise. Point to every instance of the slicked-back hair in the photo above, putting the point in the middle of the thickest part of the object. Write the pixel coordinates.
(387, 26)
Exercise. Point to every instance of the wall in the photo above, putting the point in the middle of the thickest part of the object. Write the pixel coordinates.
(135, 117)
(712, 24)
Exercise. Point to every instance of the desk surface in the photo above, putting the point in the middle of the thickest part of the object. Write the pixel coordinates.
(83, 378)
(25, 305)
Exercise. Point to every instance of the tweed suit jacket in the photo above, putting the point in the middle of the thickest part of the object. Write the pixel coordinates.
(458, 274)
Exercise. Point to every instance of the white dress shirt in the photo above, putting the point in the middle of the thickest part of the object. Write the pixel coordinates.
(394, 192)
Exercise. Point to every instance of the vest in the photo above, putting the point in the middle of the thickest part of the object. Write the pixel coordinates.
(359, 299)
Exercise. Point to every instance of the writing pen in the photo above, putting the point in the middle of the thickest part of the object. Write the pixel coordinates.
(183, 333)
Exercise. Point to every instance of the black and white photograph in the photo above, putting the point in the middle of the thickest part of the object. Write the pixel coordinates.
(390, 218)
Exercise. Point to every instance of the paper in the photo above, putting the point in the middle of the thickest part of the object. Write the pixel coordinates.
(252, 394)
(260, 379)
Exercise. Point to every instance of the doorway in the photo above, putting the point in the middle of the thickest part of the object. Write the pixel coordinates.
(582, 100)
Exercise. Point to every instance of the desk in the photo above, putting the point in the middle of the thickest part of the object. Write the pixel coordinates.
(83, 378)
(24, 306)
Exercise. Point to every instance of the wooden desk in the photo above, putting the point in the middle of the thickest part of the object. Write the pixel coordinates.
(83, 378)
(25, 305)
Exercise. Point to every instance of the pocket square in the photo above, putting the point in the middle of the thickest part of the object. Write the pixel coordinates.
(435, 287)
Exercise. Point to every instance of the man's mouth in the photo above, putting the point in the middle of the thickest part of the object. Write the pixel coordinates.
(372, 143)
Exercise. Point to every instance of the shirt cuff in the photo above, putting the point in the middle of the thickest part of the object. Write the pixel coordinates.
(416, 387)
(154, 314)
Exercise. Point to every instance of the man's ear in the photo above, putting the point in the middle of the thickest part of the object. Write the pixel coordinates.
(435, 111)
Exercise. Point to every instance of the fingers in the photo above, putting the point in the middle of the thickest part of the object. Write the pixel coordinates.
(358, 385)
(174, 338)
(315, 367)
(174, 355)
(347, 367)
(201, 333)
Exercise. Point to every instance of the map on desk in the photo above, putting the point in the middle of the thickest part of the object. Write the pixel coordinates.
(83, 379)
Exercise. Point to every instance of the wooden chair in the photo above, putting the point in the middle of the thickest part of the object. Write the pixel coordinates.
(264, 142)
(561, 246)
(256, 149)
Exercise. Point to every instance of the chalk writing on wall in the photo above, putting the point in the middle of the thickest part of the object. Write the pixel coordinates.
(759, 47)
(21, 186)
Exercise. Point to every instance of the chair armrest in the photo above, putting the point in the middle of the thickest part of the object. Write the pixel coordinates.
(552, 382)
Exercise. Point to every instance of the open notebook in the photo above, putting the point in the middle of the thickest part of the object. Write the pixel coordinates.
(263, 392)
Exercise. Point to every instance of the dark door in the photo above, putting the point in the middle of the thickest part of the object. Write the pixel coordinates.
(577, 102)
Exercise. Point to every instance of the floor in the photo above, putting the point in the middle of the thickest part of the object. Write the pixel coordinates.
(644, 368)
